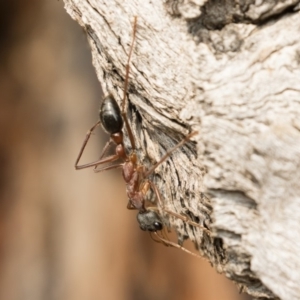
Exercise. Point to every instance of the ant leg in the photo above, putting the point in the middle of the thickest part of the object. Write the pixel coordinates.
(129, 132)
(104, 151)
(158, 240)
(96, 169)
(128, 61)
(130, 206)
(157, 193)
(108, 168)
(183, 218)
(99, 162)
(188, 221)
(126, 87)
(139, 202)
(169, 243)
(87, 137)
(188, 137)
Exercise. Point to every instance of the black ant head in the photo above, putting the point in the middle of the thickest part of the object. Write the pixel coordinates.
(149, 221)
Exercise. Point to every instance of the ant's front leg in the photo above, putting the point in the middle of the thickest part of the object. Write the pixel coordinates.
(87, 137)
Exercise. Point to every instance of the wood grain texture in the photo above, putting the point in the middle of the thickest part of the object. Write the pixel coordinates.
(230, 71)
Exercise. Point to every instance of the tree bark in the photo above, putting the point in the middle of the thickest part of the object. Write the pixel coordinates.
(231, 71)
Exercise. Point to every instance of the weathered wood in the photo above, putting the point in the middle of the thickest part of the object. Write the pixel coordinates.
(232, 72)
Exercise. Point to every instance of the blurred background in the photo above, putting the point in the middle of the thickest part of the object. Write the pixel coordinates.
(67, 234)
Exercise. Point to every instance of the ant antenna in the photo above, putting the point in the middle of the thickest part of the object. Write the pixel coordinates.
(169, 243)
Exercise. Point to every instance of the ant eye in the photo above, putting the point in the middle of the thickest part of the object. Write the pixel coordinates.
(158, 226)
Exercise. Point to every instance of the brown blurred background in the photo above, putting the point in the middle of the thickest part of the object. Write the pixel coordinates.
(66, 234)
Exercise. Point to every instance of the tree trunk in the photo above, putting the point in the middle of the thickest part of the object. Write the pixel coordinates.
(231, 72)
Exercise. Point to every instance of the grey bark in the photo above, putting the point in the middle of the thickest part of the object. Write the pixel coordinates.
(231, 71)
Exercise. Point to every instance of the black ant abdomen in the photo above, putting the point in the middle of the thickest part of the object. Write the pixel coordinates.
(110, 115)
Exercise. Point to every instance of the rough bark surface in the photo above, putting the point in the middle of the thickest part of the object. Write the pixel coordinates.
(231, 71)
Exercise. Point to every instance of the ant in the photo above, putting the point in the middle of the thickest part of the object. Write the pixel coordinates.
(112, 119)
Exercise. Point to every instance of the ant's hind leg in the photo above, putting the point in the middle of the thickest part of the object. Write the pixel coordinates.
(87, 137)
(129, 131)
(106, 147)
(101, 160)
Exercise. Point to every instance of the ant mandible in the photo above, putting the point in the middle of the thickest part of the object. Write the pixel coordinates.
(134, 174)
